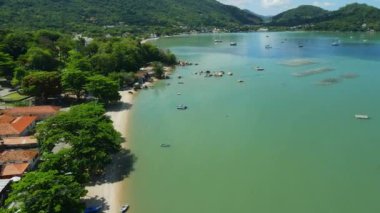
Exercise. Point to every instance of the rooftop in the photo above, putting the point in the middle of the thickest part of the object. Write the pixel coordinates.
(17, 125)
(32, 110)
(6, 118)
(11, 156)
(11, 141)
(16, 169)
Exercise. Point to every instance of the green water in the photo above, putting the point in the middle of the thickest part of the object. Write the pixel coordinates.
(273, 144)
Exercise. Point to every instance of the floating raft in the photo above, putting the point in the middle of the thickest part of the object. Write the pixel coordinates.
(363, 117)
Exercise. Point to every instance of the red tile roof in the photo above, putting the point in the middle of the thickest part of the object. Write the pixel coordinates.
(18, 156)
(33, 110)
(17, 126)
(7, 129)
(6, 118)
(21, 123)
(14, 141)
(11, 170)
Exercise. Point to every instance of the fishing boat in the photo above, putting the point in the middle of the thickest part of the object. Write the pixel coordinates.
(124, 208)
(259, 69)
(181, 107)
(300, 45)
(335, 44)
(361, 117)
(233, 44)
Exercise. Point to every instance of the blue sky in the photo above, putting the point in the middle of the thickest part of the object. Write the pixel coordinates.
(273, 7)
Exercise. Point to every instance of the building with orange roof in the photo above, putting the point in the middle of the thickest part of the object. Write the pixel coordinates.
(42, 112)
(17, 162)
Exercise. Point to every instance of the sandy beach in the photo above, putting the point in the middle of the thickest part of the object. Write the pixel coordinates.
(108, 190)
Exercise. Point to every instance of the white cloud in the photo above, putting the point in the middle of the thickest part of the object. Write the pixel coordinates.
(274, 3)
(323, 4)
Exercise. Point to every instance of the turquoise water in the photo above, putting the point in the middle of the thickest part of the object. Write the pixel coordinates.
(273, 144)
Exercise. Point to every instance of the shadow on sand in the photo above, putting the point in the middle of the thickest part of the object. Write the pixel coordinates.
(120, 106)
(119, 169)
(97, 201)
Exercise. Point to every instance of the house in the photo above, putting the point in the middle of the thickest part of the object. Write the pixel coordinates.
(18, 142)
(17, 162)
(16, 126)
(42, 112)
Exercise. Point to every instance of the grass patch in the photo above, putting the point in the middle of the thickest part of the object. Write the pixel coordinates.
(14, 97)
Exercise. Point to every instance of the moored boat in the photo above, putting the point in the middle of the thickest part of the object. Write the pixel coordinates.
(181, 107)
(124, 208)
(259, 69)
(233, 44)
(361, 116)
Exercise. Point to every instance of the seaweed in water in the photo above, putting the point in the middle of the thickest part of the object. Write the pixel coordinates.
(298, 62)
(312, 72)
(329, 81)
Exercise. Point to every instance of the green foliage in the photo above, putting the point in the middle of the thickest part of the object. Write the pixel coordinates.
(103, 88)
(42, 84)
(88, 133)
(15, 44)
(47, 192)
(40, 59)
(6, 66)
(74, 81)
(158, 70)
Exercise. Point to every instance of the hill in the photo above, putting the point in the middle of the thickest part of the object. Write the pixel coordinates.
(352, 17)
(77, 15)
(304, 14)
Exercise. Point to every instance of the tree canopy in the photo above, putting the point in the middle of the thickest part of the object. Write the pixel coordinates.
(47, 192)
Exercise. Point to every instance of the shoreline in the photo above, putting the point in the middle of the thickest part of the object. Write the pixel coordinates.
(110, 194)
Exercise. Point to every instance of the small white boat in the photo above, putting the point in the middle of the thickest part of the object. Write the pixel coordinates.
(335, 44)
(124, 208)
(218, 41)
(233, 44)
(230, 73)
(362, 117)
(259, 69)
(181, 107)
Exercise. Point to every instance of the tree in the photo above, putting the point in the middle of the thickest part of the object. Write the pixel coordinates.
(89, 135)
(103, 88)
(77, 61)
(74, 81)
(6, 66)
(15, 44)
(40, 59)
(42, 84)
(47, 192)
(103, 63)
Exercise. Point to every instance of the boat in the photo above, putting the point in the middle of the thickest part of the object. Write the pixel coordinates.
(268, 46)
(163, 145)
(233, 44)
(335, 43)
(218, 41)
(181, 107)
(124, 208)
(259, 69)
(240, 81)
(230, 73)
(361, 116)
(300, 45)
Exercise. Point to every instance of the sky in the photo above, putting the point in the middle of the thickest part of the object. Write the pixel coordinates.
(273, 7)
